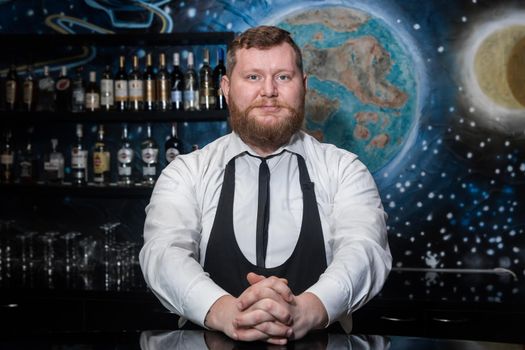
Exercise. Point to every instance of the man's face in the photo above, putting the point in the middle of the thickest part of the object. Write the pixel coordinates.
(265, 94)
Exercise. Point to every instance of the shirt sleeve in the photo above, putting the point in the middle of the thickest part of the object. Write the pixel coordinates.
(358, 238)
(170, 256)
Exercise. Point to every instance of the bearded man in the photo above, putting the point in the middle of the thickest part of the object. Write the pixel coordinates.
(265, 234)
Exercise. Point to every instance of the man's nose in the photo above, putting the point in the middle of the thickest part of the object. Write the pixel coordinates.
(269, 88)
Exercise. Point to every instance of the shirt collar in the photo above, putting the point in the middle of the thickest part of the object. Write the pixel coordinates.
(236, 146)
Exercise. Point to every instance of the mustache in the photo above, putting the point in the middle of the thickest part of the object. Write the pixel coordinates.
(268, 103)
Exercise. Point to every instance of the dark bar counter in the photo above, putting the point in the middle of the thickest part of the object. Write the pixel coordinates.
(171, 340)
(468, 306)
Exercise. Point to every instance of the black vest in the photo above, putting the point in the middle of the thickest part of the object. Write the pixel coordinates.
(228, 266)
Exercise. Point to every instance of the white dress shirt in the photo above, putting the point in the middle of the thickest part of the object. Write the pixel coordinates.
(182, 209)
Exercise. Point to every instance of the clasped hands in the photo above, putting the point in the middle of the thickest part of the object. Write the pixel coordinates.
(267, 311)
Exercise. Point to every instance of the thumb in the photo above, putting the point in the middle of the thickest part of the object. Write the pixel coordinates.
(254, 278)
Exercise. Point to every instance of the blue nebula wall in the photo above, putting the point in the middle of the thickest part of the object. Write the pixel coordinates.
(448, 156)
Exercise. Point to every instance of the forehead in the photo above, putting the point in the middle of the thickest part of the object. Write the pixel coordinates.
(281, 57)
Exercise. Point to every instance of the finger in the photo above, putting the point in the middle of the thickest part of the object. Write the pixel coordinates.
(280, 343)
(254, 278)
(271, 287)
(250, 334)
(255, 294)
(263, 311)
(274, 329)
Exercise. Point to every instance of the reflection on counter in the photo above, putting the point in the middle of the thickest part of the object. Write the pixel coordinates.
(156, 340)
(202, 340)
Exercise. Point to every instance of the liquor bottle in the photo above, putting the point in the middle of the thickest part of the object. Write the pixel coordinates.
(27, 163)
(79, 92)
(173, 145)
(125, 157)
(177, 84)
(150, 158)
(101, 159)
(63, 91)
(11, 89)
(121, 86)
(206, 90)
(54, 164)
(7, 159)
(218, 72)
(92, 93)
(46, 92)
(135, 87)
(163, 85)
(150, 88)
(79, 159)
(107, 98)
(29, 91)
(191, 86)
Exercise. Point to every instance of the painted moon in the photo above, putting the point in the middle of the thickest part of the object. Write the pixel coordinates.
(516, 71)
(493, 73)
(493, 69)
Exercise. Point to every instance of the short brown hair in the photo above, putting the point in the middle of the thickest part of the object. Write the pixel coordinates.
(261, 37)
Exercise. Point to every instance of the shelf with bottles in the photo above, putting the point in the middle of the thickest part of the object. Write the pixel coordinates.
(150, 87)
(93, 165)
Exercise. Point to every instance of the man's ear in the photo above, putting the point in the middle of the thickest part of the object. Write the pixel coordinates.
(225, 87)
(305, 82)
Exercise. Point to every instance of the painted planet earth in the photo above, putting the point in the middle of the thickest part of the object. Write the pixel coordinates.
(362, 85)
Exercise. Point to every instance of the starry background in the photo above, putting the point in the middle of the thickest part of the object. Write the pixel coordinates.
(455, 198)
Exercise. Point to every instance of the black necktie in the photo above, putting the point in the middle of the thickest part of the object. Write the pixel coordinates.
(263, 213)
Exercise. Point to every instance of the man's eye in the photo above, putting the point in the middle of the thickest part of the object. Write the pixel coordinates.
(283, 77)
(252, 77)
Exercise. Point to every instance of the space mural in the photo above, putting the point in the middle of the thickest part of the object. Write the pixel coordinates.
(430, 95)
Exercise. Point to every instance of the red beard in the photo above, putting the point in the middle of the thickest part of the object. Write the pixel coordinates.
(265, 136)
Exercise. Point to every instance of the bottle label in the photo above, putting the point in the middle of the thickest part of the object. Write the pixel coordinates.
(124, 171)
(54, 168)
(92, 100)
(189, 95)
(79, 96)
(106, 92)
(46, 84)
(136, 90)
(207, 97)
(176, 96)
(10, 91)
(63, 84)
(125, 155)
(26, 169)
(121, 90)
(100, 162)
(171, 154)
(149, 171)
(150, 155)
(28, 92)
(79, 158)
(6, 159)
(150, 91)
